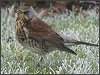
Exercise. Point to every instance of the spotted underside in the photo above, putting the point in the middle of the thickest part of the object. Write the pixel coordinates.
(22, 35)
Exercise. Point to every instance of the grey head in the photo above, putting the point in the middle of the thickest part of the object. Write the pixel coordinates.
(26, 12)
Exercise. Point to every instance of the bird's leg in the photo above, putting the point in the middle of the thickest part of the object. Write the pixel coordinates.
(40, 62)
(41, 59)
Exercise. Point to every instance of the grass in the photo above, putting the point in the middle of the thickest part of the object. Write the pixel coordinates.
(17, 60)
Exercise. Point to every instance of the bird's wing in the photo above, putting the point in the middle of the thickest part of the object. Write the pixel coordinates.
(40, 29)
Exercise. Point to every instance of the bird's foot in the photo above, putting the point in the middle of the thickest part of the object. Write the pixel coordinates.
(40, 63)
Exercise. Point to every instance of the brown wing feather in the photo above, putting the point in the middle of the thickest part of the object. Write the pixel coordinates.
(41, 29)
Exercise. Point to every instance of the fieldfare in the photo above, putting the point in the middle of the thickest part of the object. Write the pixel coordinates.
(35, 35)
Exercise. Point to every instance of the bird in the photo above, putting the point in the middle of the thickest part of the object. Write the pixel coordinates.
(36, 35)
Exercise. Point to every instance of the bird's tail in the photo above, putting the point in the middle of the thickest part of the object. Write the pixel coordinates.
(84, 43)
(66, 49)
(68, 41)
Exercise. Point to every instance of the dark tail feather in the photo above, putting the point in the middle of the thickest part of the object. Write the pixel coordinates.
(66, 49)
(85, 43)
(69, 50)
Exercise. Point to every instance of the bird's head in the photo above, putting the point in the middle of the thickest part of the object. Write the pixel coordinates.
(25, 13)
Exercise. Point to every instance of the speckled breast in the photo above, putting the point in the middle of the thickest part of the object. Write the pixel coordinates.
(29, 43)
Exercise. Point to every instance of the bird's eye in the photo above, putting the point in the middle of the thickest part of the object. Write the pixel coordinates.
(17, 10)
